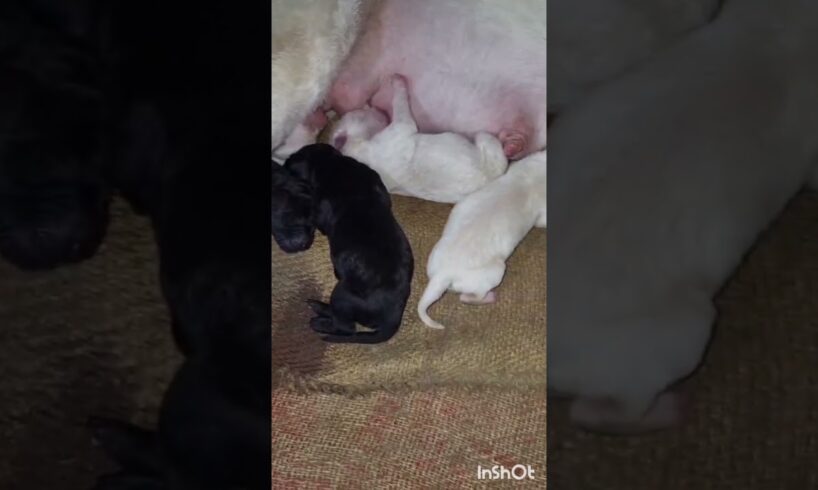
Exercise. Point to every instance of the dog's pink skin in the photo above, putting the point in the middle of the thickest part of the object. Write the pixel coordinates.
(464, 78)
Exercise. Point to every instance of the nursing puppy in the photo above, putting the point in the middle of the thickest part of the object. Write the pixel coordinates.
(443, 167)
(481, 234)
(292, 211)
(652, 217)
(370, 253)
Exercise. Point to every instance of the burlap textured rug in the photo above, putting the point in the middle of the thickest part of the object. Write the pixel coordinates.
(93, 338)
(422, 440)
(500, 345)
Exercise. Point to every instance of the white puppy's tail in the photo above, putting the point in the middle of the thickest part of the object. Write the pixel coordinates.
(492, 157)
(437, 286)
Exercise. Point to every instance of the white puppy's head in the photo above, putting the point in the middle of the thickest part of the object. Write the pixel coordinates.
(358, 125)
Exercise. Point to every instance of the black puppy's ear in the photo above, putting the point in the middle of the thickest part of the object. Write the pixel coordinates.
(303, 163)
(133, 448)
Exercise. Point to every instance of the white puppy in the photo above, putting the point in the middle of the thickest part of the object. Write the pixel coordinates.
(481, 234)
(653, 214)
(443, 167)
(311, 38)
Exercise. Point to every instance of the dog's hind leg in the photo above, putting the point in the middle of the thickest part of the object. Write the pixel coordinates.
(329, 320)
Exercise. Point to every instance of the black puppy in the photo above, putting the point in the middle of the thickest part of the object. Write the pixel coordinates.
(53, 192)
(370, 253)
(195, 156)
(292, 211)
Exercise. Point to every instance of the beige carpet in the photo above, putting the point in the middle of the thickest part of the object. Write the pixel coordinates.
(420, 440)
(500, 345)
(87, 339)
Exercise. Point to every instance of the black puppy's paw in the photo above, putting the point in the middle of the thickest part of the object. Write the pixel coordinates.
(322, 324)
(320, 308)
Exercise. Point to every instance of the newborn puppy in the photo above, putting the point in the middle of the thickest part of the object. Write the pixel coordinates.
(53, 195)
(482, 232)
(442, 167)
(292, 211)
(371, 255)
(656, 212)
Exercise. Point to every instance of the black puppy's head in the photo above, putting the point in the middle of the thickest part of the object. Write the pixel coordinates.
(336, 176)
(292, 211)
(306, 162)
(53, 196)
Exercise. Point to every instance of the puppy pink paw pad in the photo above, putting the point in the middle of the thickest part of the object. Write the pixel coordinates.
(473, 299)
(607, 415)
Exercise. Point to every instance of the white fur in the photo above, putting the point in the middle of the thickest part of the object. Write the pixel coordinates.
(443, 167)
(311, 38)
(691, 158)
(482, 232)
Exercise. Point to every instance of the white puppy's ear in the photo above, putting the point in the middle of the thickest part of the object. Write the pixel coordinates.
(339, 140)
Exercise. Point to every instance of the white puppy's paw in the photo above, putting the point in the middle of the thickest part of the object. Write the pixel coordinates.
(610, 416)
(474, 299)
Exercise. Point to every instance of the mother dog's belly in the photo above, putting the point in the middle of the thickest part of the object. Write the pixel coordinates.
(472, 65)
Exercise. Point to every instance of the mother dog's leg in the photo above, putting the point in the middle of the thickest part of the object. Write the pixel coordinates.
(310, 41)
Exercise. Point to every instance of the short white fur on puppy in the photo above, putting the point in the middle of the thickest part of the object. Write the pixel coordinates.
(652, 216)
(443, 167)
(481, 234)
(311, 38)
